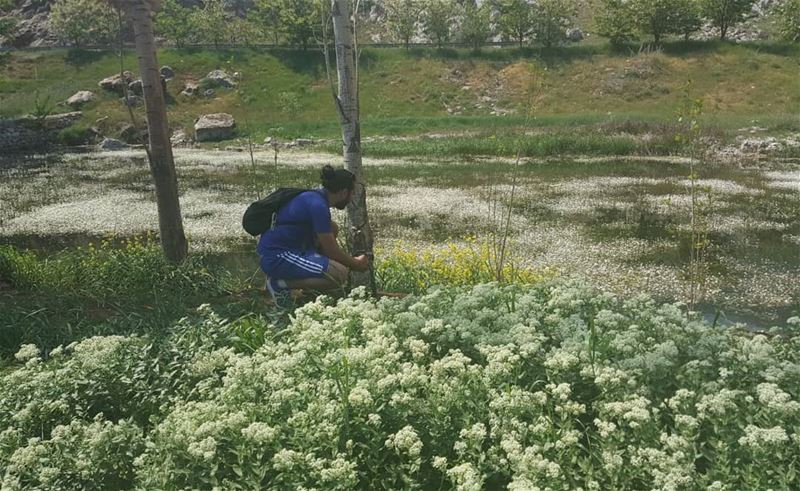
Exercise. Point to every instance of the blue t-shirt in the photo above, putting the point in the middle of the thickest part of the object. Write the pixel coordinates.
(297, 223)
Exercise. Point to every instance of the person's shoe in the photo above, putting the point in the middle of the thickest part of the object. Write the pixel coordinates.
(282, 296)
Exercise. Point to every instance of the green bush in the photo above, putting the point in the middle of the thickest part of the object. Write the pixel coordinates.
(75, 135)
(483, 387)
(105, 271)
(787, 17)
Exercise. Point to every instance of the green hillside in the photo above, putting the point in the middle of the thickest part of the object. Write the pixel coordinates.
(285, 93)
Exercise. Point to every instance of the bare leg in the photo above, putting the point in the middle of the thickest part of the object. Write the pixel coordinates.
(333, 279)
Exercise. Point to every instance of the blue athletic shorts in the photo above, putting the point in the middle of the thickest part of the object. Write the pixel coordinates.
(293, 265)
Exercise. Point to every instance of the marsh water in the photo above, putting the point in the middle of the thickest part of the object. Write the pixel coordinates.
(622, 225)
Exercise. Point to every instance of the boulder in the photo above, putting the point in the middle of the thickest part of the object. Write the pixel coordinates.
(167, 73)
(219, 78)
(574, 34)
(110, 144)
(136, 87)
(115, 82)
(214, 127)
(132, 100)
(130, 134)
(208, 93)
(178, 138)
(190, 89)
(761, 145)
(80, 98)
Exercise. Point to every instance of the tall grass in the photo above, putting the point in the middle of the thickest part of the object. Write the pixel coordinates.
(100, 289)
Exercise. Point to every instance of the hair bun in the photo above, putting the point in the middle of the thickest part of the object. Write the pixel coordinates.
(328, 172)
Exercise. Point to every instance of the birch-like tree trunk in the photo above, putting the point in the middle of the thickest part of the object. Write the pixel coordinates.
(162, 164)
(360, 234)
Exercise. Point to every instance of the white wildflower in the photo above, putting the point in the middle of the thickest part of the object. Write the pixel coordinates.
(717, 404)
(440, 463)
(406, 441)
(359, 396)
(205, 449)
(605, 428)
(560, 391)
(466, 477)
(27, 352)
(285, 460)
(260, 433)
(763, 438)
(771, 396)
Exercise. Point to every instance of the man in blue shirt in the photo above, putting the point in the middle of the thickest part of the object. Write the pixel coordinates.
(300, 250)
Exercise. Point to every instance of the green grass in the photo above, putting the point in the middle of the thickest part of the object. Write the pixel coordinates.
(284, 93)
(119, 287)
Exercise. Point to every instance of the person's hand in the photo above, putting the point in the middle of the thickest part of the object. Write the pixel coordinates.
(362, 262)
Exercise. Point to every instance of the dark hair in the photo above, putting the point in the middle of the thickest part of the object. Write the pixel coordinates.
(335, 180)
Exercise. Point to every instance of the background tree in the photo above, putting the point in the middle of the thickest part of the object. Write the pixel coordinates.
(551, 19)
(402, 17)
(299, 19)
(515, 19)
(724, 14)
(174, 22)
(7, 24)
(687, 17)
(244, 31)
(267, 16)
(616, 20)
(660, 18)
(438, 18)
(475, 23)
(159, 148)
(787, 18)
(210, 22)
(82, 22)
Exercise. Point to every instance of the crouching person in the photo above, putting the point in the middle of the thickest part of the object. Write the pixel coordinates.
(300, 251)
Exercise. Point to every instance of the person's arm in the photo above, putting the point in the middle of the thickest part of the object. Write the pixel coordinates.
(330, 248)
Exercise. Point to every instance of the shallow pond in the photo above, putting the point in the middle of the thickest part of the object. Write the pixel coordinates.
(620, 224)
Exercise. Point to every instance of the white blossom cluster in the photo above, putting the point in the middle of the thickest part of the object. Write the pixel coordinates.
(547, 387)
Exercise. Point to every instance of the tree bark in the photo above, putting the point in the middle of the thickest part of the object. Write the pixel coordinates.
(162, 164)
(360, 234)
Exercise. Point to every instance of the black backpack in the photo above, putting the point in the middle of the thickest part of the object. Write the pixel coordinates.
(260, 215)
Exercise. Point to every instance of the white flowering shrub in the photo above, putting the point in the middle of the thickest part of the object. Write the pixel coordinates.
(486, 387)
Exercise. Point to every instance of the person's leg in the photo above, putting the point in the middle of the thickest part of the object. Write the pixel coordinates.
(302, 270)
(333, 278)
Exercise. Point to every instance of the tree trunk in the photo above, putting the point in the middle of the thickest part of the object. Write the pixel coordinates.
(360, 234)
(162, 164)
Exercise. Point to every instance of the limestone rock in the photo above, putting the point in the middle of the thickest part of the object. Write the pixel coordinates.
(190, 89)
(574, 34)
(214, 127)
(130, 134)
(115, 82)
(132, 100)
(167, 73)
(80, 98)
(179, 138)
(110, 144)
(136, 87)
(220, 78)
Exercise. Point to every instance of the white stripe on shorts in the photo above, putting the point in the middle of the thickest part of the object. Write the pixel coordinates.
(302, 263)
(303, 260)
